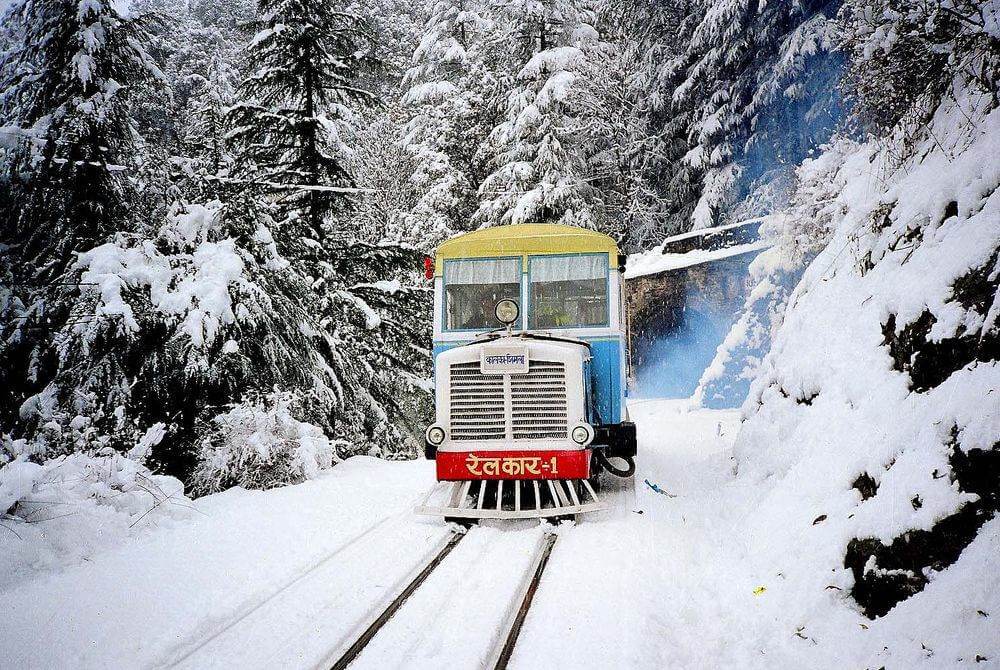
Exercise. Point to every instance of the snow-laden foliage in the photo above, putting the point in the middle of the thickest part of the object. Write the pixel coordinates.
(260, 445)
(619, 152)
(292, 121)
(168, 255)
(68, 509)
(906, 55)
(539, 168)
(291, 134)
(164, 328)
(751, 92)
(68, 86)
(446, 105)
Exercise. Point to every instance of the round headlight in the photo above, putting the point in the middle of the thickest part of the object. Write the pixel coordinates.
(506, 311)
(435, 435)
(582, 434)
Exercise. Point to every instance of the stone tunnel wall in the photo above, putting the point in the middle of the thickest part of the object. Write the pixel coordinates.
(678, 318)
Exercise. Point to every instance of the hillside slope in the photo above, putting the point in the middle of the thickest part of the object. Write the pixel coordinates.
(872, 430)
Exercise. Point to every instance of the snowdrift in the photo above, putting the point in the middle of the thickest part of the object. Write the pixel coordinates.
(872, 429)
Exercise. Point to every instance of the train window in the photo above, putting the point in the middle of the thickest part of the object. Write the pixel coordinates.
(473, 287)
(568, 291)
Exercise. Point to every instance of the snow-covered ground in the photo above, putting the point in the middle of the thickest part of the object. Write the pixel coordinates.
(673, 575)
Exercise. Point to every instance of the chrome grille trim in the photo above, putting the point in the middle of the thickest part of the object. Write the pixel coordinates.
(538, 402)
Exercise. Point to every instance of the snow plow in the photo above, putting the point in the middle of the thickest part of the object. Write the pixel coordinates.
(529, 402)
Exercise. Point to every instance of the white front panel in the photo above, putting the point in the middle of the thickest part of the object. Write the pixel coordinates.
(511, 410)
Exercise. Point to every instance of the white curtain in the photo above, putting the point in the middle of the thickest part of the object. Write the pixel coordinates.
(568, 268)
(483, 271)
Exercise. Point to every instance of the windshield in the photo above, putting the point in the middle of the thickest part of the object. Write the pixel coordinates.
(473, 287)
(569, 291)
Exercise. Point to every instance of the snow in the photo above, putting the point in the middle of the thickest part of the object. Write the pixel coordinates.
(261, 445)
(74, 507)
(153, 600)
(194, 287)
(551, 61)
(715, 569)
(655, 261)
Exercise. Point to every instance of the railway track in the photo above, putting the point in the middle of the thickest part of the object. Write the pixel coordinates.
(510, 628)
(284, 626)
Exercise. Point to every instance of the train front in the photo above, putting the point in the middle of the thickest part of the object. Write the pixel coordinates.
(529, 372)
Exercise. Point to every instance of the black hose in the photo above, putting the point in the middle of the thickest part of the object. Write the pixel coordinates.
(606, 464)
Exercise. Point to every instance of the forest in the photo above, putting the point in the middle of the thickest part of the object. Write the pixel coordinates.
(218, 223)
(215, 214)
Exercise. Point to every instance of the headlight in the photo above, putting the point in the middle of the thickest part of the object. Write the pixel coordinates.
(582, 434)
(435, 435)
(506, 311)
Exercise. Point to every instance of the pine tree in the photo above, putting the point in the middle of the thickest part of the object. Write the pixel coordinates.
(656, 35)
(290, 136)
(754, 90)
(292, 122)
(539, 170)
(444, 99)
(204, 129)
(68, 85)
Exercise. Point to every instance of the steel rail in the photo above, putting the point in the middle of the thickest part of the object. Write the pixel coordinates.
(505, 648)
(376, 625)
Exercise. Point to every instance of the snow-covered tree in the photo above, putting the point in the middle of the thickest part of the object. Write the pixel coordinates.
(67, 87)
(383, 169)
(752, 93)
(906, 56)
(166, 329)
(203, 134)
(444, 96)
(291, 138)
(620, 152)
(539, 170)
(291, 124)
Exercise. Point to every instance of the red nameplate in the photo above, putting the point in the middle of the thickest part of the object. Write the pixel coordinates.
(459, 465)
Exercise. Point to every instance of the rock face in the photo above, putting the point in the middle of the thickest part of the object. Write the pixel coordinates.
(679, 316)
(694, 305)
(878, 403)
(886, 574)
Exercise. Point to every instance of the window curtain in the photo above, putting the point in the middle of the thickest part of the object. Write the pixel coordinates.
(569, 268)
(483, 271)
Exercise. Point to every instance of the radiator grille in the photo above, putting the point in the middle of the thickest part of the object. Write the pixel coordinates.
(477, 404)
(529, 406)
(538, 401)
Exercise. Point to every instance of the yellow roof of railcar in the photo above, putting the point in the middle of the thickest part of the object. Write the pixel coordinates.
(524, 238)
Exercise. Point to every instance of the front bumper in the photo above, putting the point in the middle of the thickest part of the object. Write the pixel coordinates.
(511, 464)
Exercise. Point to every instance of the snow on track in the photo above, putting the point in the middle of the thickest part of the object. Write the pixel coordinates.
(454, 619)
(146, 603)
(635, 587)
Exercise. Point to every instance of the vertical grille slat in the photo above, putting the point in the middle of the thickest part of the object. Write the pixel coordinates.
(539, 402)
(536, 407)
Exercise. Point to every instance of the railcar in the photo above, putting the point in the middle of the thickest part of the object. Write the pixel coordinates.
(530, 373)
